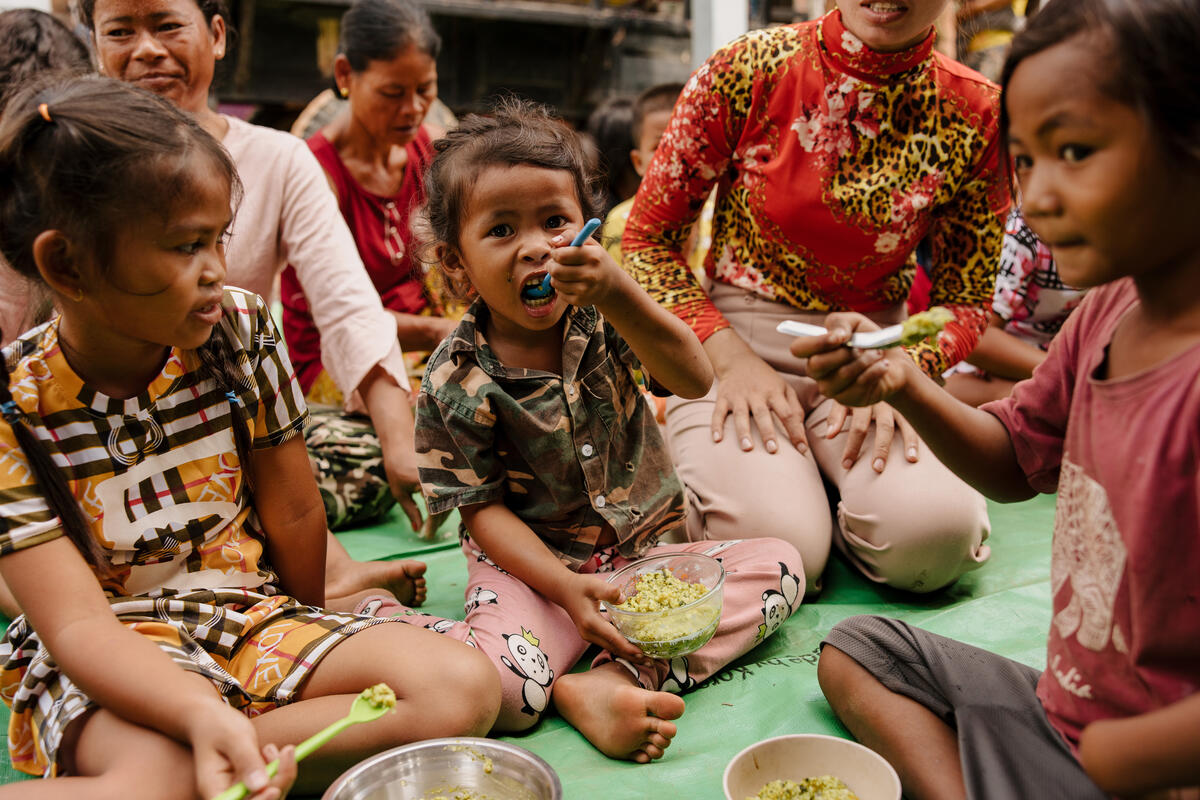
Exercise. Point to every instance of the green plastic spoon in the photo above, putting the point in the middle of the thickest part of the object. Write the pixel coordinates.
(368, 706)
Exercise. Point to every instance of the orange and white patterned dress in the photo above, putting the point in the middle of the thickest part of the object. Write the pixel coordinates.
(831, 163)
(159, 479)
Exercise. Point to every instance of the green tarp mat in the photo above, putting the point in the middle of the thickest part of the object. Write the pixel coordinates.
(1003, 607)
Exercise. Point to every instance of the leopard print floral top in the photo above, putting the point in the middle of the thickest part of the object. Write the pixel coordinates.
(831, 162)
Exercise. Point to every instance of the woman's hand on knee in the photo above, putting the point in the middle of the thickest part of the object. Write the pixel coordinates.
(887, 421)
(752, 390)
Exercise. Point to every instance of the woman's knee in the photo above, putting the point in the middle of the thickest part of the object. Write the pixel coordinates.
(921, 549)
(806, 526)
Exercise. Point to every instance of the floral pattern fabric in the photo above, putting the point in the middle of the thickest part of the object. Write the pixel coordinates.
(831, 162)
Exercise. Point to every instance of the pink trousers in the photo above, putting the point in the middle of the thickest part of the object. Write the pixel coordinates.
(533, 641)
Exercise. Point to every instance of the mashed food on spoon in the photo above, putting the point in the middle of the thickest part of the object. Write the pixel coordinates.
(924, 325)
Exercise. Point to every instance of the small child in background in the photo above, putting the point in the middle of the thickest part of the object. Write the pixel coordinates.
(531, 423)
(1029, 306)
(608, 128)
(1102, 103)
(159, 522)
(651, 113)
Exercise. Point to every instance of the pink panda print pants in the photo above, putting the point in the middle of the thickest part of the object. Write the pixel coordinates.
(533, 641)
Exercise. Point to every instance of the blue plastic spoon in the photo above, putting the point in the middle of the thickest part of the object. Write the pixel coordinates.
(544, 289)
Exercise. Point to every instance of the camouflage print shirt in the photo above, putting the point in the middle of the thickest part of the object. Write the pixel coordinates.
(566, 454)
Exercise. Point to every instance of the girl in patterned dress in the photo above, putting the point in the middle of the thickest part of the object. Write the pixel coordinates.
(159, 523)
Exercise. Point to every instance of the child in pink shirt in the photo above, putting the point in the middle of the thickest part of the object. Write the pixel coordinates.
(1102, 104)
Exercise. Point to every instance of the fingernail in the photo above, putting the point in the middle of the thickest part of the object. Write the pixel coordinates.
(802, 447)
(746, 443)
(878, 465)
(847, 464)
(256, 780)
(771, 446)
(557, 240)
(716, 436)
(912, 454)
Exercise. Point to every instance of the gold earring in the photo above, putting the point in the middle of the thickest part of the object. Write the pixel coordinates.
(345, 92)
(78, 295)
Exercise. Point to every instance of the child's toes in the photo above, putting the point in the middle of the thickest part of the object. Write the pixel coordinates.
(665, 706)
(659, 741)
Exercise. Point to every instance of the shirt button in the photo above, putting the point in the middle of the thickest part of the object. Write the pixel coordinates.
(600, 501)
(571, 391)
(587, 450)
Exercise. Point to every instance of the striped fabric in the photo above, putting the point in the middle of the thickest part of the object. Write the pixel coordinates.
(159, 479)
(157, 474)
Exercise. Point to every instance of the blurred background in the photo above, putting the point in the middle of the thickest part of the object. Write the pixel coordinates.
(571, 54)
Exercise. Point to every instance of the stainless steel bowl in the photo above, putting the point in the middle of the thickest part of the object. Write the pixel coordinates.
(424, 770)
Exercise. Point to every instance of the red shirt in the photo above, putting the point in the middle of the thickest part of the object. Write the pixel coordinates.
(381, 230)
(831, 163)
(1124, 456)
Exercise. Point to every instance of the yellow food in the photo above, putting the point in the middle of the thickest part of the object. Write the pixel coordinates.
(487, 760)
(660, 590)
(667, 631)
(825, 787)
(380, 695)
(924, 325)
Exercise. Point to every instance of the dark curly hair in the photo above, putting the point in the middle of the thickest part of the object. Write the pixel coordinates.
(517, 132)
(34, 43)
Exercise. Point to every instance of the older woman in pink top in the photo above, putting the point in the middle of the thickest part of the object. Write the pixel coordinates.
(287, 215)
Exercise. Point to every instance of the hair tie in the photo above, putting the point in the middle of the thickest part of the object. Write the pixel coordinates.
(233, 398)
(44, 110)
(10, 410)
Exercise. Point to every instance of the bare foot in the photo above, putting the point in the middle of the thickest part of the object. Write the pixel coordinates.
(404, 578)
(620, 718)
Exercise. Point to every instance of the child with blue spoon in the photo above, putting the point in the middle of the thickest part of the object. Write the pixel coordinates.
(587, 230)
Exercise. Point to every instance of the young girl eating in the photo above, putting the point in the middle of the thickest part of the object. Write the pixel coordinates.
(530, 422)
(159, 522)
(1102, 99)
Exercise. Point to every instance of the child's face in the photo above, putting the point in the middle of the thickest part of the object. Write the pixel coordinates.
(164, 46)
(1094, 184)
(391, 98)
(510, 216)
(654, 125)
(890, 25)
(164, 287)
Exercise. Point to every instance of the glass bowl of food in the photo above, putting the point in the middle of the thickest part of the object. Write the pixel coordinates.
(671, 603)
(807, 765)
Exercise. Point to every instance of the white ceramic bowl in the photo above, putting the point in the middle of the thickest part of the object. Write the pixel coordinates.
(676, 631)
(440, 766)
(808, 755)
